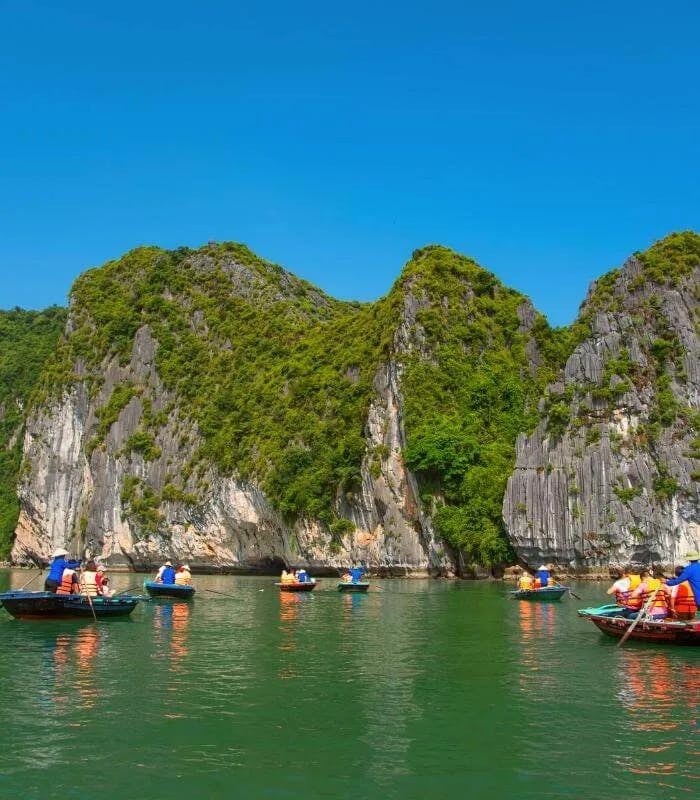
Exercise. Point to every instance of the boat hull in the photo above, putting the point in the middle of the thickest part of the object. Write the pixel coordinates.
(661, 632)
(549, 594)
(353, 587)
(296, 587)
(169, 590)
(45, 605)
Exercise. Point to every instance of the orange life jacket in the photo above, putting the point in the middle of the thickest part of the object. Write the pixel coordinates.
(66, 584)
(684, 601)
(624, 599)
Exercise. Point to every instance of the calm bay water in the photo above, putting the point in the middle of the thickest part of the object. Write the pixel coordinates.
(425, 689)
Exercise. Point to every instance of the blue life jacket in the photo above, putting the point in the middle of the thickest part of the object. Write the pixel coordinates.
(168, 575)
(56, 571)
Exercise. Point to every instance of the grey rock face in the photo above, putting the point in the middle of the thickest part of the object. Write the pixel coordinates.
(84, 497)
(614, 488)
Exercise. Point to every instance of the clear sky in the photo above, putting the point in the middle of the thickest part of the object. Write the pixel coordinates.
(548, 140)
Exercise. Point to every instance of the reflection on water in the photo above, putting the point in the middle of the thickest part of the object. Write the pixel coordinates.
(651, 683)
(424, 690)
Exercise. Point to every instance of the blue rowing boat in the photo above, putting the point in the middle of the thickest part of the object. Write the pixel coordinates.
(171, 590)
(546, 594)
(46, 605)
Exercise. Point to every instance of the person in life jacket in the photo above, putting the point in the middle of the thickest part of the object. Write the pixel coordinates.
(691, 574)
(102, 581)
(652, 587)
(70, 583)
(627, 581)
(88, 582)
(526, 581)
(58, 564)
(183, 576)
(683, 603)
(161, 571)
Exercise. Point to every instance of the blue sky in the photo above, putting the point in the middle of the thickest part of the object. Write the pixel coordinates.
(548, 140)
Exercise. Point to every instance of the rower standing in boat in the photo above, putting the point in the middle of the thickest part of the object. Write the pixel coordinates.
(356, 573)
(58, 564)
(542, 576)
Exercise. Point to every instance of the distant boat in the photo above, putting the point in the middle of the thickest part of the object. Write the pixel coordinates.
(545, 594)
(296, 586)
(664, 631)
(348, 586)
(46, 605)
(173, 590)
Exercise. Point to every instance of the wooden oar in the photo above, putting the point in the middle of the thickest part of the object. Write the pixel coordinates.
(573, 594)
(640, 614)
(124, 591)
(31, 580)
(223, 594)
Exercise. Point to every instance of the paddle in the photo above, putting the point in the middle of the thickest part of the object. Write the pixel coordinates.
(33, 578)
(640, 614)
(573, 594)
(124, 591)
(223, 594)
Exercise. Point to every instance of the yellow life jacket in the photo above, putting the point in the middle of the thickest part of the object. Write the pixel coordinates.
(635, 580)
(525, 582)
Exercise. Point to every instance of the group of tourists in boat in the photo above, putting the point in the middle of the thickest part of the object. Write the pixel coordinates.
(540, 580)
(66, 577)
(660, 597)
(296, 576)
(178, 575)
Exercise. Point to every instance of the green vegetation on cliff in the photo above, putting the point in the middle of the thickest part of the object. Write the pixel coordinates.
(27, 339)
(469, 389)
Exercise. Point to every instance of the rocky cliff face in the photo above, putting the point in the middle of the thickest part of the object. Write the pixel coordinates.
(209, 406)
(100, 474)
(610, 475)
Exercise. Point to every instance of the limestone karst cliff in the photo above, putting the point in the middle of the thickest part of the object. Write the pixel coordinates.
(610, 474)
(209, 405)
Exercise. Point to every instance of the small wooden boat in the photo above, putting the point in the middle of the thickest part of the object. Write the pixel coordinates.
(46, 605)
(665, 631)
(349, 586)
(296, 586)
(171, 590)
(545, 594)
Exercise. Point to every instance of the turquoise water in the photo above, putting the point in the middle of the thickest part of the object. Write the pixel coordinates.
(425, 689)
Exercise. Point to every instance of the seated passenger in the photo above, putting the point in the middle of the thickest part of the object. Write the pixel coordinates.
(88, 582)
(102, 581)
(161, 570)
(526, 581)
(347, 577)
(682, 600)
(625, 584)
(70, 584)
(653, 595)
(183, 576)
(168, 573)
